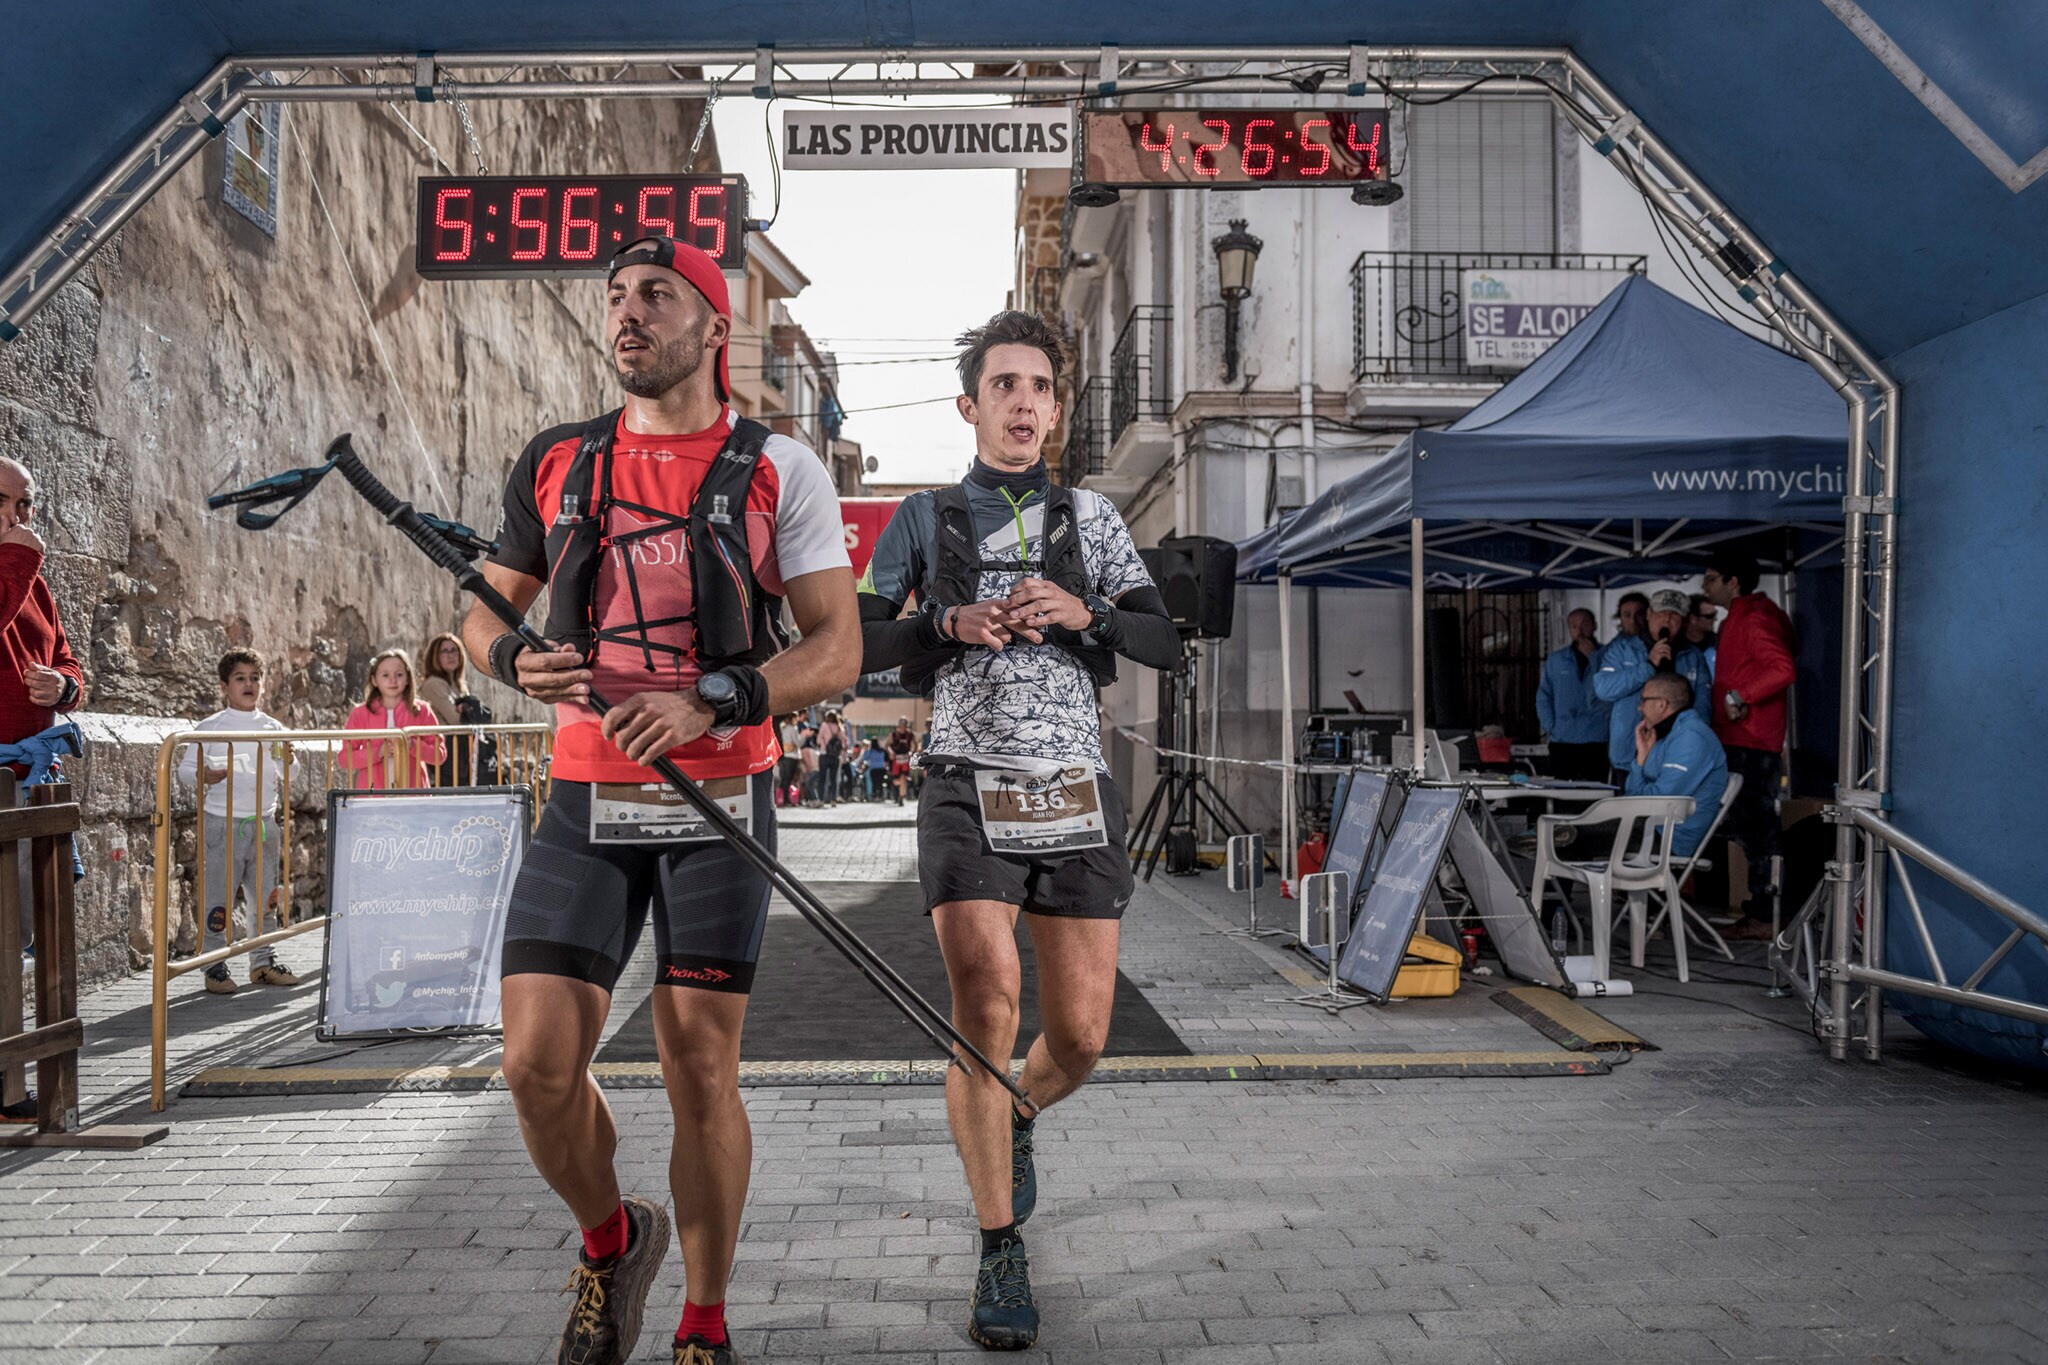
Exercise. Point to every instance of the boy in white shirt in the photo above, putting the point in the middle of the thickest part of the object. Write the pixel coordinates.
(245, 842)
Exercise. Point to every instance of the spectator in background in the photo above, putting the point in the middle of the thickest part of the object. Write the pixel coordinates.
(789, 768)
(1630, 614)
(442, 689)
(831, 758)
(1675, 754)
(1630, 660)
(390, 702)
(875, 768)
(242, 846)
(1753, 670)
(442, 664)
(38, 675)
(902, 749)
(1573, 716)
(814, 779)
(1699, 626)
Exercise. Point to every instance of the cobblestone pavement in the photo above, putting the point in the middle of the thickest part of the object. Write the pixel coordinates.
(1731, 1196)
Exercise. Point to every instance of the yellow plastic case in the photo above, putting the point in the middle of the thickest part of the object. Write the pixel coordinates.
(1428, 968)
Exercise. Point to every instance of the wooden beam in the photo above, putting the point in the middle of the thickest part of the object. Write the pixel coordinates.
(66, 1035)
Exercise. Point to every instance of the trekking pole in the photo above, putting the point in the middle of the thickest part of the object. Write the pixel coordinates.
(432, 536)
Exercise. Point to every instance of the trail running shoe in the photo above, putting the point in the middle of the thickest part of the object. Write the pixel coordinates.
(697, 1351)
(1023, 1173)
(604, 1325)
(1004, 1316)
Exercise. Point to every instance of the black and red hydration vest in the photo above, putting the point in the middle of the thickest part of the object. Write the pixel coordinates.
(734, 620)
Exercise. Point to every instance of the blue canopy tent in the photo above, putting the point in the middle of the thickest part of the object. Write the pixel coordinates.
(1649, 433)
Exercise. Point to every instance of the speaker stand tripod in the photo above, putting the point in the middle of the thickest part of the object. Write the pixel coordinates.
(1183, 789)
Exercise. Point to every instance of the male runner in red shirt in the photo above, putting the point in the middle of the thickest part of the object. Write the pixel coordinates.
(593, 873)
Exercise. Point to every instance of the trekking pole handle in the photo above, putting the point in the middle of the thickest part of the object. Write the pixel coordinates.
(401, 514)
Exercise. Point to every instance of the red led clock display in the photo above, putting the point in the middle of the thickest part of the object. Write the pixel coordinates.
(1137, 148)
(506, 226)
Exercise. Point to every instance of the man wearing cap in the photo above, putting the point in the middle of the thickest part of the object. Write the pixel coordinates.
(1629, 661)
(669, 534)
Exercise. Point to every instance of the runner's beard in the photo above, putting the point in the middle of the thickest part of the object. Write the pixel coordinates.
(673, 363)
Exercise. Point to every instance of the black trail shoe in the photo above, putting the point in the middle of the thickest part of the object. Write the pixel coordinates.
(1023, 1173)
(697, 1351)
(604, 1326)
(1004, 1317)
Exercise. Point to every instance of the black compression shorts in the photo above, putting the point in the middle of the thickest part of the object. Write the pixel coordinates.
(578, 908)
(955, 863)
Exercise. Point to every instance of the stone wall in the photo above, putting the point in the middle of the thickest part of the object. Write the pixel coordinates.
(198, 353)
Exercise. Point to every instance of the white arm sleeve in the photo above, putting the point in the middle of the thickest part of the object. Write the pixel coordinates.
(810, 532)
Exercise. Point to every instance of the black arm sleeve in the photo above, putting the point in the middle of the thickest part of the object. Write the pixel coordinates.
(1138, 628)
(887, 642)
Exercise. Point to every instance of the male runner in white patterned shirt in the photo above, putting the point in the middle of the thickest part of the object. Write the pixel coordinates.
(1016, 809)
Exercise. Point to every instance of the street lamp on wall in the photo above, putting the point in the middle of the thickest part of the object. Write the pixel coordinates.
(1237, 251)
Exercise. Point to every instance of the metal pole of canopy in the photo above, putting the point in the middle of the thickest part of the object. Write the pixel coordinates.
(1415, 634)
(1288, 832)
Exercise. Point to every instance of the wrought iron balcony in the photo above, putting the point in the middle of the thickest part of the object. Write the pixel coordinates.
(1141, 369)
(1407, 309)
(1087, 448)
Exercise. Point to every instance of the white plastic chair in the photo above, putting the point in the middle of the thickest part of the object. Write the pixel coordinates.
(1639, 864)
(1693, 920)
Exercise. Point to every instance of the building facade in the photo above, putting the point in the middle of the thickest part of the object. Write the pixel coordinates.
(779, 376)
(1351, 335)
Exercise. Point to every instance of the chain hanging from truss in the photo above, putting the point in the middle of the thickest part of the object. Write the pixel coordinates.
(476, 146)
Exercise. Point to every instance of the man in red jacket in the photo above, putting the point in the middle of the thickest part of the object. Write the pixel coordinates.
(1753, 670)
(38, 675)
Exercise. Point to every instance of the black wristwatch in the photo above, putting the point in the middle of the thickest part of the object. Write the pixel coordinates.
(719, 692)
(1098, 614)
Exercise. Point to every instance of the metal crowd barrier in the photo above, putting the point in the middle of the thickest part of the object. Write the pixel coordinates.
(1837, 942)
(521, 757)
(46, 825)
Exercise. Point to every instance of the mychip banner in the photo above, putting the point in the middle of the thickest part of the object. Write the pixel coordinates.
(417, 884)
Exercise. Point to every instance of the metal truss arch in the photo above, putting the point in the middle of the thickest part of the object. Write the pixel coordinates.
(1105, 75)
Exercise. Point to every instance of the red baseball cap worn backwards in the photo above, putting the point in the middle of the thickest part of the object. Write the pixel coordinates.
(698, 269)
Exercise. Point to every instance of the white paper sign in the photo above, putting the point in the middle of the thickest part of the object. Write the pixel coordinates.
(926, 139)
(1514, 316)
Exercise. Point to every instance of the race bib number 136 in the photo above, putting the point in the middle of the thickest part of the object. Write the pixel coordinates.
(1041, 812)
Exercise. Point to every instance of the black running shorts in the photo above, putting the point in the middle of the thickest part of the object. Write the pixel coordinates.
(578, 908)
(955, 863)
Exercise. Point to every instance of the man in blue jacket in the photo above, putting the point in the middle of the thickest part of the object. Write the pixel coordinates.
(1574, 719)
(1630, 660)
(1675, 754)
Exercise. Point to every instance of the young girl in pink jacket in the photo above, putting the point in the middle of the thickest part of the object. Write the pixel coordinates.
(390, 702)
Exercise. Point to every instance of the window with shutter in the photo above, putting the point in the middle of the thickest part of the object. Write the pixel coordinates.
(1482, 176)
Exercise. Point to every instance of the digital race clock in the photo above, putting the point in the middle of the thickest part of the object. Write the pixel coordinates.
(506, 226)
(1141, 148)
